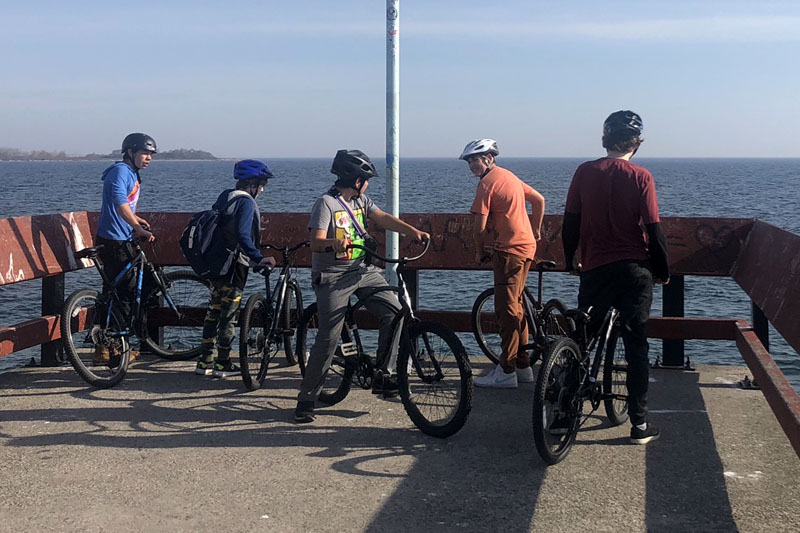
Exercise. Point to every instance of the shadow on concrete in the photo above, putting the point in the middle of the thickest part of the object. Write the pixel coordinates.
(486, 477)
(686, 488)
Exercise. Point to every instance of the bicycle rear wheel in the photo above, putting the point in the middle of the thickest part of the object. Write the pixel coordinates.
(556, 404)
(615, 373)
(180, 338)
(257, 346)
(291, 314)
(99, 355)
(435, 379)
(485, 326)
(338, 378)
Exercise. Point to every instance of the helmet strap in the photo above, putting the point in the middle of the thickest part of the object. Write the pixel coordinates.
(129, 160)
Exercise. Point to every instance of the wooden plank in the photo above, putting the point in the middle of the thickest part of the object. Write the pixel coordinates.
(768, 269)
(39, 246)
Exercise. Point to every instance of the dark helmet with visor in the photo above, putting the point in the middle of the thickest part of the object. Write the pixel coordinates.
(621, 122)
(138, 141)
(349, 165)
(247, 169)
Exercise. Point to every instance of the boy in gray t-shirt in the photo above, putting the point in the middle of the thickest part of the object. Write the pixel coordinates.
(339, 218)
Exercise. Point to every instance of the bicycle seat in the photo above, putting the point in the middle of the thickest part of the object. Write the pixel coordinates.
(88, 252)
(578, 315)
(546, 265)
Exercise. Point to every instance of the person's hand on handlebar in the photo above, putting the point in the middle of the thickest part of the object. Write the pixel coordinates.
(267, 262)
(140, 233)
(421, 236)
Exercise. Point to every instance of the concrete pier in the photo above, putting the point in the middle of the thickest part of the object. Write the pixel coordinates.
(170, 451)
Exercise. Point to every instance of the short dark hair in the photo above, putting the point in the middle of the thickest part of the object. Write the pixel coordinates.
(621, 142)
(243, 184)
(349, 182)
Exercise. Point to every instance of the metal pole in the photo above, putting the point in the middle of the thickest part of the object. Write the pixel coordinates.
(52, 304)
(673, 305)
(392, 127)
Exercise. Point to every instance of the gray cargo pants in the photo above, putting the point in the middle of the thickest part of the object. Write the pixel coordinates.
(333, 293)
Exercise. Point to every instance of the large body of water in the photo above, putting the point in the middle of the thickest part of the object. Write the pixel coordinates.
(741, 188)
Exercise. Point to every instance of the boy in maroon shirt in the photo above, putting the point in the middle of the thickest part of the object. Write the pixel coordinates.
(611, 204)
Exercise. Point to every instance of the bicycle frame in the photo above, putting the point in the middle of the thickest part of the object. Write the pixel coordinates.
(597, 342)
(277, 295)
(533, 306)
(139, 263)
(405, 313)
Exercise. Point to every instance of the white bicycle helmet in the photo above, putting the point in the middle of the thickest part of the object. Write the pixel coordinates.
(480, 146)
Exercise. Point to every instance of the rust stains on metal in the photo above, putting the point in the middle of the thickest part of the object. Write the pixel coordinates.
(28, 334)
(781, 397)
(43, 245)
(768, 269)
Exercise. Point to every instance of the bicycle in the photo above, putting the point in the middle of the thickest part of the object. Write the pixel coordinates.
(269, 320)
(177, 300)
(568, 378)
(433, 373)
(544, 321)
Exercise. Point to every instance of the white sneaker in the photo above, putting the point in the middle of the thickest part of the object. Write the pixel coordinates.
(497, 379)
(525, 375)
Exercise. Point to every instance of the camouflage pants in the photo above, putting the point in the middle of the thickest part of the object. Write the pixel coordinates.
(218, 325)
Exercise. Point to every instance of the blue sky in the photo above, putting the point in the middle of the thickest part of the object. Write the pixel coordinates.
(304, 78)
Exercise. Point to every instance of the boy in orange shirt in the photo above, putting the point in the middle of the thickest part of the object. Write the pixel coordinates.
(501, 223)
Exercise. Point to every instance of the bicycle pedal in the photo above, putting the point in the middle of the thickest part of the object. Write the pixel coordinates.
(349, 349)
(287, 332)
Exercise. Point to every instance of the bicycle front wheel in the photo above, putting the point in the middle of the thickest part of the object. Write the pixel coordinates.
(338, 379)
(557, 406)
(435, 379)
(171, 336)
(485, 326)
(615, 373)
(99, 355)
(291, 315)
(257, 349)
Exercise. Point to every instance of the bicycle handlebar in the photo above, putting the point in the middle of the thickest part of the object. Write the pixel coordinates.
(388, 260)
(286, 249)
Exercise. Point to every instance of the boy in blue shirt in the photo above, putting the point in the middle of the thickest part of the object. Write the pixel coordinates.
(241, 229)
(119, 225)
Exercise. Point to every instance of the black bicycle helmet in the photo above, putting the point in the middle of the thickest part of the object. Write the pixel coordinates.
(349, 165)
(138, 141)
(623, 122)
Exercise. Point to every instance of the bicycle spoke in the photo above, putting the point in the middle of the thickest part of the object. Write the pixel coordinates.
(435, 380)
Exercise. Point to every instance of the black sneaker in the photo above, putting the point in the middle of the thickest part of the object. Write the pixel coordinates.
(304, 412)
(643, 436)
(225, 369)
(385, 385)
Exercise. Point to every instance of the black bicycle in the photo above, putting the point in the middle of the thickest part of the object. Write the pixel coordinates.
(568, 379)
(544, 321)
(98, 346)
(433, 372)
(269, 320)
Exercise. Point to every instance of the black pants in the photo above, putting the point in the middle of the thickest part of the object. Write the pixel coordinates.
(628, 287)
(114, 255)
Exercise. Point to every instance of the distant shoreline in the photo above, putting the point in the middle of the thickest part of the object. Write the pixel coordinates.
(180, 154)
